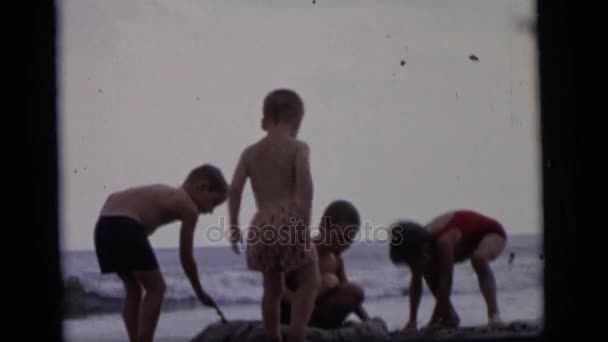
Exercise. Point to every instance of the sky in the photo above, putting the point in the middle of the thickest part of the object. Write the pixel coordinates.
(399, 119)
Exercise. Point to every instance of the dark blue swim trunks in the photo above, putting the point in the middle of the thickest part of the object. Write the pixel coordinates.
(122, 246)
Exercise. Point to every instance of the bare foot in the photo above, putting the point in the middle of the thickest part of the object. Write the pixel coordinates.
(496, 322)
(290, 338)
(431, 326)
(409, 327)
(452, 321)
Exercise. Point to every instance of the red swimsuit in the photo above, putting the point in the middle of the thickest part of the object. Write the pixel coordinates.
(473, 225)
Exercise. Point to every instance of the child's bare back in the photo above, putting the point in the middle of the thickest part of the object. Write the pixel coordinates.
(278, 241)
(279, 171)
(151, 205)
(272, 164)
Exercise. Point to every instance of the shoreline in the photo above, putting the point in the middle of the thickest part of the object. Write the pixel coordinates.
(514, 305)
(185, 324)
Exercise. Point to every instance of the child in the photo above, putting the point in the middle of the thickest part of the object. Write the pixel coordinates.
(278, 241)
(337, 297)
(122, 246)
(432, 251)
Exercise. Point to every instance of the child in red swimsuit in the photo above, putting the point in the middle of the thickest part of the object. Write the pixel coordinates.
(431, 252)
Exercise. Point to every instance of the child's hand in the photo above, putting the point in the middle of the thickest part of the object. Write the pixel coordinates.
(235, 238)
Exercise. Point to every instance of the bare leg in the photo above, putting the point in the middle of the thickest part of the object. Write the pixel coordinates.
(155, 287)
(487, 250)
(271, 300)
(431, 280)
(309, 281)
(130, 308)
(331, 311)
(435, 317)
(449, 318)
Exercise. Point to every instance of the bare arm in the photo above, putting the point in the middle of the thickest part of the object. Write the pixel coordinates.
(415, 293)
(431, 277)
(186, 255)
(445, 253)
(234, 200)
(360, 311)
(304, 185)
(341, 273)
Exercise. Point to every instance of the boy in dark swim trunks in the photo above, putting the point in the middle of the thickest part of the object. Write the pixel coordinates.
(431, 252)
(338, 297)
(122, 246)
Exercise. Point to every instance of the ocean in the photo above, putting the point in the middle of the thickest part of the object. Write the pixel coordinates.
(93, 300)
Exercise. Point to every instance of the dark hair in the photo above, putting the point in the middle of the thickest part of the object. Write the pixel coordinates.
(210, 173)
(408, 240)
(283, 105)
(342, 211)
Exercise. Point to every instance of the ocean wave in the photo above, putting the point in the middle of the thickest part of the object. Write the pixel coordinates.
(95, 293)
(227, 280)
